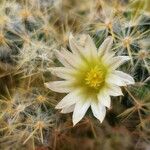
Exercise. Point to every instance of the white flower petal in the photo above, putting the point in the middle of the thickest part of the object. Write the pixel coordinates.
(106, 59)
(105, 46)
(115, 62)
(59, 86)
(115, 79)
(69, 57)
(62, 59)
(68, 100)
(68, 109)
(62, 72)
(90, 48)
(83, 53)
(114, 90)
(99, 111)
(72, 59)
(76, 49)
(104, 98)
(119, 78)
(125, 77)
(80, 109)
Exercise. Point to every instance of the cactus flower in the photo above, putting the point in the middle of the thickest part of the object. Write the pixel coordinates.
(89, 77)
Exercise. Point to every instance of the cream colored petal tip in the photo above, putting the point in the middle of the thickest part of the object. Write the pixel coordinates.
(58, 86)
(99, 111)
(79, 111)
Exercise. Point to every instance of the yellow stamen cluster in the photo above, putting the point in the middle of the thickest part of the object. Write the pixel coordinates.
(95, 77)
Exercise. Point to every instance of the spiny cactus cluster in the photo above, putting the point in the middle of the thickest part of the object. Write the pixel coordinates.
(31, 31)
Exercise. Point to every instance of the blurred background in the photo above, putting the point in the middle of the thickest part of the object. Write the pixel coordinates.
(30, 32)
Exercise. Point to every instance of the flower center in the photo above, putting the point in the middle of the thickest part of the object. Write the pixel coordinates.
(95, 77)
